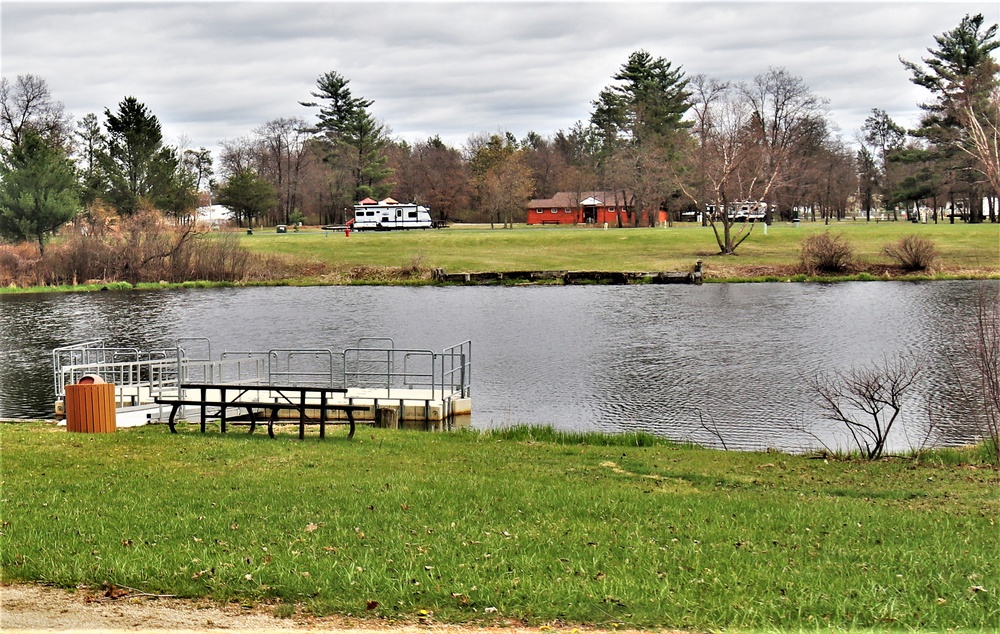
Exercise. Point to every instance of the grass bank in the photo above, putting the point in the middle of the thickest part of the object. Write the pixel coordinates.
(408, 257)
(525, 527)
(961, 247)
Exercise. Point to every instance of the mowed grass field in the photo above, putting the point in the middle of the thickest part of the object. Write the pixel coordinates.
(964, 250)
(509, 527)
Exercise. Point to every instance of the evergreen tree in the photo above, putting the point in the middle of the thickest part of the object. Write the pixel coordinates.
(885, 137)
(38, 190)
(649, 100)
(352, 136)
(247, 195)
(90, 144)
(639, 119)
(138, 168)
(961, 74)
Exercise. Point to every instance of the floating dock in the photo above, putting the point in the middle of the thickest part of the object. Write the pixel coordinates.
(414, 387)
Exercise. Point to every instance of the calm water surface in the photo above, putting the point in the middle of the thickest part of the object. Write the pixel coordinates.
(677, 361)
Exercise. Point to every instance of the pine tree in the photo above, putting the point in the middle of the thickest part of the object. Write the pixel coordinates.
(138, 168)
(38, 190)
(247, 195)
(961, 74)
(352, 136)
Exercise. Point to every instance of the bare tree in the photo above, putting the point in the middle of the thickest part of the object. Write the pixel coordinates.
(787, 123)
(643, 175)
(547, 164)
(982, 124)
(506, 188)
(726, 157)
(239, 154)
(281, 143)
(26, 103)
(867, 400)
(434, 175)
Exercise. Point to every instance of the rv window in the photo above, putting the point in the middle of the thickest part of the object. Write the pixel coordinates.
(369, 213)
(411, 214)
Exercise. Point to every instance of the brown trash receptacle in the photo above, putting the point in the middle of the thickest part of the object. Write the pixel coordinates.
(90, 408)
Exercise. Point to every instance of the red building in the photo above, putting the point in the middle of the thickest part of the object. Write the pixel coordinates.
(574, 208)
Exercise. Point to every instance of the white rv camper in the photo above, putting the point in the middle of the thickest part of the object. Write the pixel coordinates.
(389, 214)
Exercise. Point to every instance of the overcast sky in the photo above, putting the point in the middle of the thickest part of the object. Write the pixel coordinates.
(216, 70)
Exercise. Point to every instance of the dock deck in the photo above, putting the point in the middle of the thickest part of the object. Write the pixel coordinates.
(421, 386)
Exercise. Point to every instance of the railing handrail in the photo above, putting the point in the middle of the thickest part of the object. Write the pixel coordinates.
(446, 373)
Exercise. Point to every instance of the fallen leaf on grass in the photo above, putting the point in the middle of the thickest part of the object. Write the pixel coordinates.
(114, 593)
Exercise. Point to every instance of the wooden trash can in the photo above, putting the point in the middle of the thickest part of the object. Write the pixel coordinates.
(90, 408)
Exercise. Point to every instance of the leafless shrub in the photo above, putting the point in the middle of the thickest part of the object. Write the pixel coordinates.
(18, 263)
(138, 249)
(826, 253)
(867, 400)
(912, 252)
(985, 350)
(712, 427)
(981, 348)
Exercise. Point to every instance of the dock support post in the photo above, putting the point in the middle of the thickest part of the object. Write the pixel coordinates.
(386, 418)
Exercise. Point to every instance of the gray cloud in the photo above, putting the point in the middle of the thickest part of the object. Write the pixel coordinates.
(216, 70)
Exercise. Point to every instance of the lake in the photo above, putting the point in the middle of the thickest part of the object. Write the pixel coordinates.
(708, 364)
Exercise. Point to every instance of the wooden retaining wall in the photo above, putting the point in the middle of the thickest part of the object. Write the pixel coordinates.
(571, 277)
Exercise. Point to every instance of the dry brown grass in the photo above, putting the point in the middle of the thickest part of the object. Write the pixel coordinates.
(143, 248)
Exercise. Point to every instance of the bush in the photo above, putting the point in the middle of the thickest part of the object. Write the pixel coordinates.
(826, 253)
(912, 252)
(867, 400)
(19, 263)
(142, 248)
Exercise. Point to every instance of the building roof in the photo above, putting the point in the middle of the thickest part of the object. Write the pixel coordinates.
(578, 199)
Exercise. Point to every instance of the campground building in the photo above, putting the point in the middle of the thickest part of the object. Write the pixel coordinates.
(576, 208)
(584, 208)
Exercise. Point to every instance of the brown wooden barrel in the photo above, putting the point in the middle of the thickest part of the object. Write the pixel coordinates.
(90, 408)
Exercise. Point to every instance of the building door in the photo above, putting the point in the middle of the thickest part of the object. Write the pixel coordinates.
(590, 214)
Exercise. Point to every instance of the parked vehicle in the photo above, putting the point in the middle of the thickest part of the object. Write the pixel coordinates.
(388, 214)
(742, 211)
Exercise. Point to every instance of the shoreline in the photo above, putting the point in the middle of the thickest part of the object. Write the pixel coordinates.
(513, 278)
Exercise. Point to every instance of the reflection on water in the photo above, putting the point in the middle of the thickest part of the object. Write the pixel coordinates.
(691, 363)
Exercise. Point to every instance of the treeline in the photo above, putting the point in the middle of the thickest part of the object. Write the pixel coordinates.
(657, 138)
(661, 141)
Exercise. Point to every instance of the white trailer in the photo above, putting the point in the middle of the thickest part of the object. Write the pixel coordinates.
(383, 216)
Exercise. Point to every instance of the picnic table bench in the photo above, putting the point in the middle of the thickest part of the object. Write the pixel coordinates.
(296, 398)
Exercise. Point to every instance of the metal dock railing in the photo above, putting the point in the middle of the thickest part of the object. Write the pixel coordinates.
(421, 384)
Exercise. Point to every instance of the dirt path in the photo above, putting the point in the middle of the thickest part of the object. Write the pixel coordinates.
(33, 608)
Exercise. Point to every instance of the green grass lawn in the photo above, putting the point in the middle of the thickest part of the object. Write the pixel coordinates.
(498, 527)
(962, 247)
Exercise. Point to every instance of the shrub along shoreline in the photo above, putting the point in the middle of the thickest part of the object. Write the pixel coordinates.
(522, 525)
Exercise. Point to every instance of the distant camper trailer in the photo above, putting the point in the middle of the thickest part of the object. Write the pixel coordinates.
(389, 214)
(742, 211)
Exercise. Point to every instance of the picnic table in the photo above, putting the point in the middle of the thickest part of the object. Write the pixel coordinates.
(248, 397)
